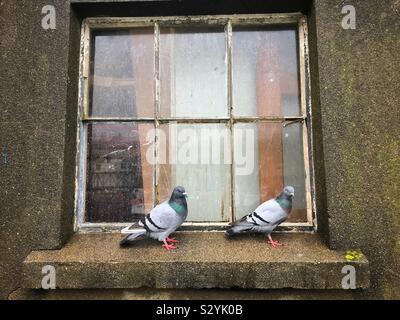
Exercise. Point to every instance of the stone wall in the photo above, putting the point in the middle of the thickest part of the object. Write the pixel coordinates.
(359, 85)
(355, 88)
(38, 102)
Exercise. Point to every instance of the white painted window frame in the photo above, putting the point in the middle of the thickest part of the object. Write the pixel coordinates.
(290, 19)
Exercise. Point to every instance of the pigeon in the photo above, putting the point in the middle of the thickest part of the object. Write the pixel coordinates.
(162, 220)
(266, 217)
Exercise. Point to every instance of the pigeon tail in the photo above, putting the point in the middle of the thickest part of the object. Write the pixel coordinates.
(239, 227)
(137, 234)
(229, 232)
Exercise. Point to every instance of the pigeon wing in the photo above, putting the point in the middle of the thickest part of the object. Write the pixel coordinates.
(162, 218)
(269, 213)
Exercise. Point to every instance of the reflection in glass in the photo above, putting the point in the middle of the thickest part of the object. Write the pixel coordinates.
(119, 172)
(122, 73)
(275, 158)
(265, 72)
(198, 158)
(193, 83)
(193, 72)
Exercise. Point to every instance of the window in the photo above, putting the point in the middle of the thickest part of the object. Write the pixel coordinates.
(217, 104)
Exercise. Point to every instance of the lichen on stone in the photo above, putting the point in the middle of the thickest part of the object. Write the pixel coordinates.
(353, 255)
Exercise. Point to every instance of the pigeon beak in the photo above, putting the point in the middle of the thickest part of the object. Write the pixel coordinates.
(292, 194)
(185, 194)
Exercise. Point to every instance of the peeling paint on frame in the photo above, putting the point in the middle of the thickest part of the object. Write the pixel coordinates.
(294, 19)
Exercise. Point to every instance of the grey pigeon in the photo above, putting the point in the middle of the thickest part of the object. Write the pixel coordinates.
(266, 217)
(162, 220)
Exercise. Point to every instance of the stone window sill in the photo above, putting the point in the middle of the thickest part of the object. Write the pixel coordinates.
(202, 260)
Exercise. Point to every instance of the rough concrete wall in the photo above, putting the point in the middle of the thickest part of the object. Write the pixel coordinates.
(317, 143)
(184, 294)
(35, 98)
(356, 87)
(359, 84)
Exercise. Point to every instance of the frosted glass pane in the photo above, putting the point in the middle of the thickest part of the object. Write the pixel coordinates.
(119, 186)
(193, 72)
(196, 157)
(294, 163)
(265, 72)
(268, 157)
(122, 73)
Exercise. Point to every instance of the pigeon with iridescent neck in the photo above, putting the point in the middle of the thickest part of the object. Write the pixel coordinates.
(266, 217)
(162, 220)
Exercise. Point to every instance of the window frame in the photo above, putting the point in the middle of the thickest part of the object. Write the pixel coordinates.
(297, 20)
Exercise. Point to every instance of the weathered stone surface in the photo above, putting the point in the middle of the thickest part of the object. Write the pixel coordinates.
(203, 260)
(355, 93)
(358, 87)
(185, 7)
(183, 294)
(38, 102)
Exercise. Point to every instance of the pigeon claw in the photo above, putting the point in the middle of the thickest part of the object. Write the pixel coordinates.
(274, 244)
(168, 246)
(171, 240)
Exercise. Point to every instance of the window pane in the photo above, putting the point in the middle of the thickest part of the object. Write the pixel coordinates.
(265, 72)
(193, 72)
(122, 70)
(196, 157)
(119, 172)
(268, 157)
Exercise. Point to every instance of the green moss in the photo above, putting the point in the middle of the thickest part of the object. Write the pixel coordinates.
(353, 255)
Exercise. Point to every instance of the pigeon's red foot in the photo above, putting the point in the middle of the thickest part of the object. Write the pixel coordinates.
(273, 243)
(171, 240)
(168, 246)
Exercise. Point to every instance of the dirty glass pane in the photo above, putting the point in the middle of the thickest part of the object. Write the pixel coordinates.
(267, 157)
(196, 157)
(193, 72)
(265, 72)
(119, 171)
(122, 73)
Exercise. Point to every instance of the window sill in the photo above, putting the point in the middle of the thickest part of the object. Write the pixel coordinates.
(202, 260)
